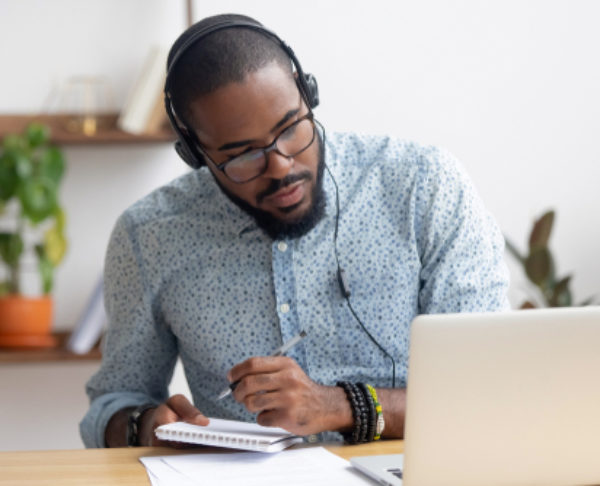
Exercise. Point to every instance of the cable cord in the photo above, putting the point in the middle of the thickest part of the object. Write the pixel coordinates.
(342, 276)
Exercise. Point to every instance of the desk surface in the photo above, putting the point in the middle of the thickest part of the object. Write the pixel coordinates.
(98, 467)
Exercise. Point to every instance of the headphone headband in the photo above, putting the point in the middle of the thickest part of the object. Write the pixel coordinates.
(307, 84)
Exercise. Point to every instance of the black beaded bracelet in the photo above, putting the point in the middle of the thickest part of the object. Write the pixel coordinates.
(364, 413)
(353, 436)
(361, 413)
(372, 419)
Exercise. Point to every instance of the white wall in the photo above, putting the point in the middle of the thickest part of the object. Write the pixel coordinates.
(511, 87)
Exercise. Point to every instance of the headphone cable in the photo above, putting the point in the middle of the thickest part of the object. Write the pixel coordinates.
(341, 274)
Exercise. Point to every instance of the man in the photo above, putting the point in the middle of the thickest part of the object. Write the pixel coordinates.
(224, 264)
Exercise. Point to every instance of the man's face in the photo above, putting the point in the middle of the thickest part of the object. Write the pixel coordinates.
(241, 116)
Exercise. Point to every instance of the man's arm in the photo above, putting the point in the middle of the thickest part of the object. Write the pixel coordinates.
(139, 350)
(282, 395)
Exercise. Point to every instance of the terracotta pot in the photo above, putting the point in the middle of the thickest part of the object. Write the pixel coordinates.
(25, 321)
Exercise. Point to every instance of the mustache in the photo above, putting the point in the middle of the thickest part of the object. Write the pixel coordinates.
(277, 184)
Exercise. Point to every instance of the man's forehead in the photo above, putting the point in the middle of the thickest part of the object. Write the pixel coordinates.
(250, 109)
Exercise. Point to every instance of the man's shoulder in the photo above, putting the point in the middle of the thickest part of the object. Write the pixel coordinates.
(183, 195)
(388, 153)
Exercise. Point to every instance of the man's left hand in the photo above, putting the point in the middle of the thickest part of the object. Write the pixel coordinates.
(282, 395)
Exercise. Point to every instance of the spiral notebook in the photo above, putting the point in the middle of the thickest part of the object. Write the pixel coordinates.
(229, 433)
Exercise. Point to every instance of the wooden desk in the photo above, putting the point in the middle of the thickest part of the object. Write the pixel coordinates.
(100, 467)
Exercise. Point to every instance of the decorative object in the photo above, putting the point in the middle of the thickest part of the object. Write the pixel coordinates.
(539, 268)
(32, 224)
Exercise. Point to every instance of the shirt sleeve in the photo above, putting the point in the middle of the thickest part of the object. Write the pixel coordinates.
(460, 245)
(139, 351)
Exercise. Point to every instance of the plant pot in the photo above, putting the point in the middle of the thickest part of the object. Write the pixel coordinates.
(26, 321)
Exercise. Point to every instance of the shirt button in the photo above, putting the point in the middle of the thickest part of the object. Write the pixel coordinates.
(285, 308)
(313, 438)
(282, 246)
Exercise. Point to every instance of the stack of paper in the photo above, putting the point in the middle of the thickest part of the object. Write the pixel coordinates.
(293, 467)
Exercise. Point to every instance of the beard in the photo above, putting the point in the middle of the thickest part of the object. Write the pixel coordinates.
(276, 228)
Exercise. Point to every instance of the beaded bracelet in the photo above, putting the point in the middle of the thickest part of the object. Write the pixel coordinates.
(359, 412)
(379, 411)
(372, 419)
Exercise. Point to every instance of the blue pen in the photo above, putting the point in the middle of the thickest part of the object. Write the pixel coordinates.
(281, 350)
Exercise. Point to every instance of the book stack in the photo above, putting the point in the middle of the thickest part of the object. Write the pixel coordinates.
(144, 110)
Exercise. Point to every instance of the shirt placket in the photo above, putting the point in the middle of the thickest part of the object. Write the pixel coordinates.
(285, 295)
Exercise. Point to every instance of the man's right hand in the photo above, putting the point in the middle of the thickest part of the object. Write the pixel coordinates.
(176, 409)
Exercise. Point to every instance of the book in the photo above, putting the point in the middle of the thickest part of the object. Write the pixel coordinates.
(143, 111)
(90, 325)
(232, 434)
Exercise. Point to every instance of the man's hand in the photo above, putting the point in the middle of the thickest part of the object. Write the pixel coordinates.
(283, 396)
(175, 409)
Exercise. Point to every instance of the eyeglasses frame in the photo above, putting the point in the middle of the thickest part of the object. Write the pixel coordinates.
(272, 147)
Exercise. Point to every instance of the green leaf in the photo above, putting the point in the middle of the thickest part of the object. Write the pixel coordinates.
(38, 198)
(540, 234)
(11, 247)
(60, 217)
(8, 177)
(23, 166)
(46, 271)
(52, 164)
(55, 245)
(561, 294)
(37, 134)
(538, 266)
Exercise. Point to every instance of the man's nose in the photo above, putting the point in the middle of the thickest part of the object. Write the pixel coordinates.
(278, 166)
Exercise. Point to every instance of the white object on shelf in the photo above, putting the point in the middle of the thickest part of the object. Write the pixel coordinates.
(91, 323)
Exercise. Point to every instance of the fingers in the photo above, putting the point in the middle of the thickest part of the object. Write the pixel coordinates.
(176, 408)
(259, 365)
(181, 409)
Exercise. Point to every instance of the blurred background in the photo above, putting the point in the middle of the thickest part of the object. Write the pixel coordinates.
(511, 88)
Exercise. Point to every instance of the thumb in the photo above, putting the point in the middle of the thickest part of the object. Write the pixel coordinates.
(186, 411)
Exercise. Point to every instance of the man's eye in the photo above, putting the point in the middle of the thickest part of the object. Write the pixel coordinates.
(246, 155)
(289, 131)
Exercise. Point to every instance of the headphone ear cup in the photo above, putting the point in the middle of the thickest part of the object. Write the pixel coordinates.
(194, 160)
(313, 90)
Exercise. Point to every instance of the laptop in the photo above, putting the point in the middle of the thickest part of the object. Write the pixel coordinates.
(507, 398)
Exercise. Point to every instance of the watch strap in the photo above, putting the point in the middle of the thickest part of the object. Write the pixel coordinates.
(134, 424)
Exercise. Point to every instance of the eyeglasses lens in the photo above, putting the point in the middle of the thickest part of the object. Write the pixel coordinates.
(293, 140)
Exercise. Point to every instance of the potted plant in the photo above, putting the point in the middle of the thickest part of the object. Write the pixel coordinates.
(32, 224)
(539, 267)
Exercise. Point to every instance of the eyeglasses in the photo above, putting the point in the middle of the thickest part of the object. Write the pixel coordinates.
(295, 139)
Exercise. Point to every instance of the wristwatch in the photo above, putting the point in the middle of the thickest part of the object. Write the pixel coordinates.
(133, 424)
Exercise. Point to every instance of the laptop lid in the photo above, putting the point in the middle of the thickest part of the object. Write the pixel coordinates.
(504, 399)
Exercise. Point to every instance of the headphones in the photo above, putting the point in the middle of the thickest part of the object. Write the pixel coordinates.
(185, 146)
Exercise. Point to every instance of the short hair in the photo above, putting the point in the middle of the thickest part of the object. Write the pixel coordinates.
(222, 57)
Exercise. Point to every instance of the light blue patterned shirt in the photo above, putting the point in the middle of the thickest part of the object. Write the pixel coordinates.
(188, 273)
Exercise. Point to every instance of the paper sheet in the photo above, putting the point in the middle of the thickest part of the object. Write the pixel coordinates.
(312, 465)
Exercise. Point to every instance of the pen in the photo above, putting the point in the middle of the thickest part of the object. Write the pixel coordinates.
(281, 350)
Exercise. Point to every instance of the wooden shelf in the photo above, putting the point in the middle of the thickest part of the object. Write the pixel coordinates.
(57, 354)
(106, 133)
